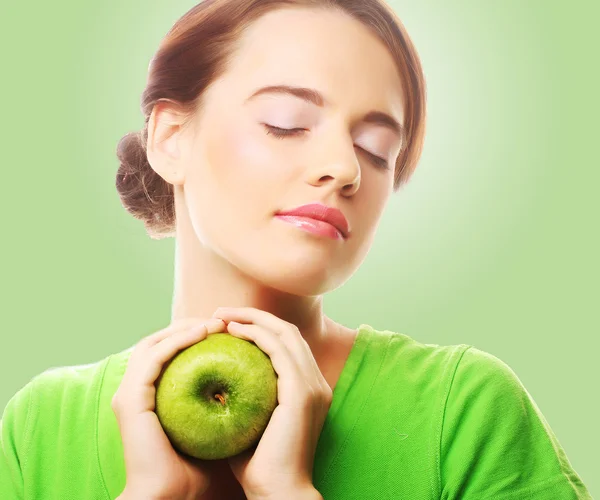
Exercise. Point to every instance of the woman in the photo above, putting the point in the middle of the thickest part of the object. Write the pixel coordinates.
(253, 108)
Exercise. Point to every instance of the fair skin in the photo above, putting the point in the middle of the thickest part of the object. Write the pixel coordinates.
(230, 176)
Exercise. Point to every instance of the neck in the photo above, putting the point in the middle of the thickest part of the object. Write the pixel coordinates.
(204, 281)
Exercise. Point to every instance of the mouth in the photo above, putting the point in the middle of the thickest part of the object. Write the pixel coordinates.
(319, 212)
(313, 226)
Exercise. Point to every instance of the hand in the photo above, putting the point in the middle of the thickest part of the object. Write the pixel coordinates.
(282, 461)
(153, 468)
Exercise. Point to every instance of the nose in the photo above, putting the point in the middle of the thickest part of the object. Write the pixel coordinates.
(335, 161)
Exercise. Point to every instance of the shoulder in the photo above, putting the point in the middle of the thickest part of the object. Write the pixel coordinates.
(54, 392)
(51, 402)
(484, 396)
(412, 361)
(58, 383)
(493, 428)
(459, 369)
(486, 364)
(417, 374)
(481, 376)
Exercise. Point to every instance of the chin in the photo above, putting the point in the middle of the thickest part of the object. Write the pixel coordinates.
(301, 270)
(302, 282)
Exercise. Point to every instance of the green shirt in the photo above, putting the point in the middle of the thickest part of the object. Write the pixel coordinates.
(408, 421)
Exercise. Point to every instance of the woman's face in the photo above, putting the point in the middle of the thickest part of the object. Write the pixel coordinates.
(238, 174)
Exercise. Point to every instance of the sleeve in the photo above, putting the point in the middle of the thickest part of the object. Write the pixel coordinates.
(13, 433)
(495, 442)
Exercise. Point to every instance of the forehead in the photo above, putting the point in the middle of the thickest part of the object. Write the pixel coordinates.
(318, 48)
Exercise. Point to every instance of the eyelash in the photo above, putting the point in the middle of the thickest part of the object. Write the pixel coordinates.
(281, 133)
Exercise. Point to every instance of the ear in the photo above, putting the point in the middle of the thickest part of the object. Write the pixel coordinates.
(165, 141)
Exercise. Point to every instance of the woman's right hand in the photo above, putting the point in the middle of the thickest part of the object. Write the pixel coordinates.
(153, 468)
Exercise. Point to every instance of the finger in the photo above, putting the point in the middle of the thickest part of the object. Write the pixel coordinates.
(143, 370)
(142, 433)
(167, 348)
(289, 334)
(292, 387)
(174, 327)
(212, 325)
(251, 315)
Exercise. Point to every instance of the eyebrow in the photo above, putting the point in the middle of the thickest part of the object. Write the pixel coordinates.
(315, 97)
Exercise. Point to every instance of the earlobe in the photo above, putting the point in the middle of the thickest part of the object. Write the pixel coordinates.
(163, 144)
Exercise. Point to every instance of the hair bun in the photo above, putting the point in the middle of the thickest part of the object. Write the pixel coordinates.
(144, 193)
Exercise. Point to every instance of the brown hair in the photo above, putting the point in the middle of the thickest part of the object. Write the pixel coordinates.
(196, 51)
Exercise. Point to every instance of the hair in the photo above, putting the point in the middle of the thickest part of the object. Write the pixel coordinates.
(196, 51)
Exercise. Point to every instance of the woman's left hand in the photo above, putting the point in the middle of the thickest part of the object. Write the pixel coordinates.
(282, 461)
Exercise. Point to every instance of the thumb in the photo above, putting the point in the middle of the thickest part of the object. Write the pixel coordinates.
(239, 463)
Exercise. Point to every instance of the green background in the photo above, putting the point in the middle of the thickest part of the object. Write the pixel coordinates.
(494, 242)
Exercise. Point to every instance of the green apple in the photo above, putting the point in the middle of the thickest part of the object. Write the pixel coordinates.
(215, 398)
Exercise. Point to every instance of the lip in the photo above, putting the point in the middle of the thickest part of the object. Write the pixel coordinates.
(321, 212)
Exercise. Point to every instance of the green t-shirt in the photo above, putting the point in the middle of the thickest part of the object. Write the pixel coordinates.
(408, 421)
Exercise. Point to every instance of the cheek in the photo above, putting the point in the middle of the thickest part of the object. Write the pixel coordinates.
(251, 154)
(243, 160)
(242, 168)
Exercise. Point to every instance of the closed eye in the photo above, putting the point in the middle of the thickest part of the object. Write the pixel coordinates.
(281, 133)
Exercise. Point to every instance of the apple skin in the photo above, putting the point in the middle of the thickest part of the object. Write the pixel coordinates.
(215, 398)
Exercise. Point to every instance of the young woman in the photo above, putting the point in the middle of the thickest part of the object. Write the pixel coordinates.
(254, 108)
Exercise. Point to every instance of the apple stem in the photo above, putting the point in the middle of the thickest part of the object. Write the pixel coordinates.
(220, 398)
